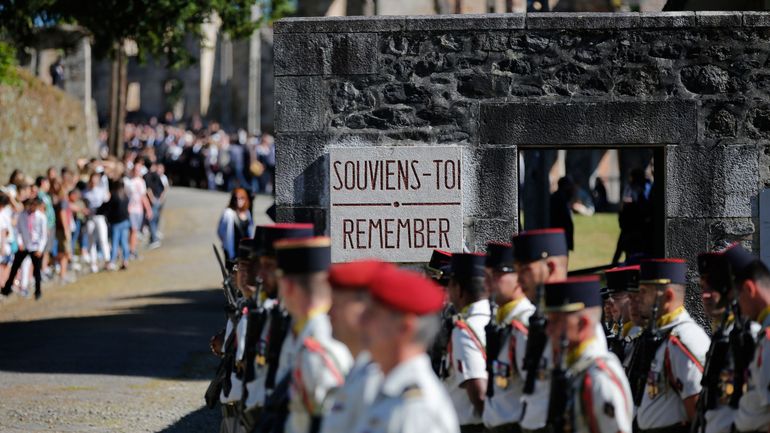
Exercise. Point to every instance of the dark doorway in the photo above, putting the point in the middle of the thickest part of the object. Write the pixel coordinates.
(609, 200)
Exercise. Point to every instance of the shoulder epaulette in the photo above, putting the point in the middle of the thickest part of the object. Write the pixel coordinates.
(412, 391)
(678, 343)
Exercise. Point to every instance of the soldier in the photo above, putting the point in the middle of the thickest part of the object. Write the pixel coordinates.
(674, 373)
(505, 346)
(320, 362)
(350, 286)
(232, 392)
(439, 269)
(752, 280)
(598, 398)
(540, 256)
(620, 282)
(398, 326)
(467, 380)
(272, 354)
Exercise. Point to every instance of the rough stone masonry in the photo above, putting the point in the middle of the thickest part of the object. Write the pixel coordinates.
(694, 83)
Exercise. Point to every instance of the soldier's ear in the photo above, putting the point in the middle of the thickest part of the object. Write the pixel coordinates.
(750, 287)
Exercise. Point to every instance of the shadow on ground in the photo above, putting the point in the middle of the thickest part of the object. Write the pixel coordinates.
(202, 420)
(167, 337)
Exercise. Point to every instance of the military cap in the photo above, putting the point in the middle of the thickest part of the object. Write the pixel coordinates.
(625, 279)
(275, 232)
(738, 259)
(439, 260)
(715, 269)
(357, 275)
(534, 245)
(467, 265)
(500, 256)
(303, 255)
(407, 292)
(663, 271)
(572, 294)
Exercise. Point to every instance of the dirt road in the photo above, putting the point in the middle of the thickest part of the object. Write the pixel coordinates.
(121, 351)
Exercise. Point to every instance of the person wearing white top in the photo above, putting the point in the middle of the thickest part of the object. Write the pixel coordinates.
(33, 230)
(467, 380)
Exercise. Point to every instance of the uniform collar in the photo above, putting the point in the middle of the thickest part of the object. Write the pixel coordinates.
(300, 326)
(670, 318)
(764, 315)
(405, 375)
(477, 308)
(584, 349)
(504, 311)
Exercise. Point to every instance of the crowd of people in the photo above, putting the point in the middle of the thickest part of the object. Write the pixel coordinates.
(504, 341)
(205, 157)
(72, 220)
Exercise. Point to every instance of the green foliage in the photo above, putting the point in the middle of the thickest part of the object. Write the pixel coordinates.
(8, 74)
(278, 9)
(160, 28)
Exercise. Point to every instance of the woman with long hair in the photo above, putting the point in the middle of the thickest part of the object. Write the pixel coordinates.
(116, 211)
(236, 222)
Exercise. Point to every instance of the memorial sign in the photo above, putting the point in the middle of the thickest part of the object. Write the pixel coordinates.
(395, 203)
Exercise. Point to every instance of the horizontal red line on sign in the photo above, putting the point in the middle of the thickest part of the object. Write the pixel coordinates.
(361, 204)
(452, 203)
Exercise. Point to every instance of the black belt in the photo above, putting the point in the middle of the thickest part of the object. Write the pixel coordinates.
(473, 428)
(540, 430)
(676, 428)
(506, 428)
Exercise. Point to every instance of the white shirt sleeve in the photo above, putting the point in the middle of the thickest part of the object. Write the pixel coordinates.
(468, 358)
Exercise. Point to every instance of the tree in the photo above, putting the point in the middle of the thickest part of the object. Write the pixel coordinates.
(158, 27)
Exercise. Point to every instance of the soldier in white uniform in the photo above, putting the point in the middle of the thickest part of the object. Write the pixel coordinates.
(320, 362)
(598, 398)
(273, 352)
(350, 291)
(752, 279)
(503, 406)
(467, 380)
(621, 282)
(540, 256)
(674, 376)
(398, 325)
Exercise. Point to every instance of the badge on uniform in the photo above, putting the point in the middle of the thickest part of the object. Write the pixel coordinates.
(609, 410)
(652, 385)
(502, 372)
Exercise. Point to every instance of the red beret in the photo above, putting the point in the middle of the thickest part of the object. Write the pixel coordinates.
(356, 275)
(407, 292)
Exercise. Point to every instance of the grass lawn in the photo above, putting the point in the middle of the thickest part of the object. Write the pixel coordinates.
(595, 240)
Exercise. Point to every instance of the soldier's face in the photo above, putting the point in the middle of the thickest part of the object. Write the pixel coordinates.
(633, 308)
(567, 325)
(455, 294)
(619, 305)
(267, 268)
(501, 284)
(381, 329)
(531, 275)
(647, 297)
(347, 310)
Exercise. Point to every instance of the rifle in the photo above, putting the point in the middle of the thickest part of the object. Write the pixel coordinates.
(276, 411)
(227, 282)
(645, 348)
(742, 345)
(535, 344)
(494, 334)
(280, 321)
(558, 400)
(716, 359)
(221, 381)
(438, 350)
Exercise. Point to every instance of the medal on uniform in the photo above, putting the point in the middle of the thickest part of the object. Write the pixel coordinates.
(652, 385)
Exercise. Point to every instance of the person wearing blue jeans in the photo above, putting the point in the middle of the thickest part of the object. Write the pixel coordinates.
(117, 216)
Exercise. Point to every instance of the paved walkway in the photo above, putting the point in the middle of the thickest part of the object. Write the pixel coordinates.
(121, 351)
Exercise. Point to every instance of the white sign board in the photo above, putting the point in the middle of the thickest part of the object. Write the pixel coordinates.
(395, 203)
(764, 225)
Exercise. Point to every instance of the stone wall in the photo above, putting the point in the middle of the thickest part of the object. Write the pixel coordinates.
(40, 126)
(695, 84)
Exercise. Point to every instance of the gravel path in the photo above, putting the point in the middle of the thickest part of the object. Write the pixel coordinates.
(124, 351)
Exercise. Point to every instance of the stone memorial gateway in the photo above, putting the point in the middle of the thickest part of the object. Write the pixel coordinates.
(695, 87)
